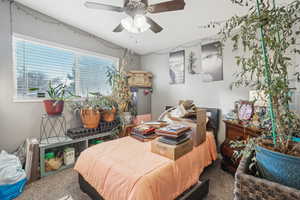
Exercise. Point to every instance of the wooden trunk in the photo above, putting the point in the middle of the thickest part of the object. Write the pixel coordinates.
(139, 79)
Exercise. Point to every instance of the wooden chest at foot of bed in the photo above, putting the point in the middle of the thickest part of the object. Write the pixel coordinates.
(172, 152)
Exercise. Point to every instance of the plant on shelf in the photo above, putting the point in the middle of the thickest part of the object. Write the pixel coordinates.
(108, 106)
(267, 34)
(58, 95)
(94, 107)
(89, 111)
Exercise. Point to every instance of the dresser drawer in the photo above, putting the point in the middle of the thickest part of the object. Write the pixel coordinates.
(235, 134)
(234, 131)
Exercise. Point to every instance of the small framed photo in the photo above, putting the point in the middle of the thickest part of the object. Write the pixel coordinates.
(245, 110)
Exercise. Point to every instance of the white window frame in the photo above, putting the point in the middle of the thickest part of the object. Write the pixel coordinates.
(74, 50)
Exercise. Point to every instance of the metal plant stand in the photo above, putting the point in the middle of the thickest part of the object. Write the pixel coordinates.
(52, 127)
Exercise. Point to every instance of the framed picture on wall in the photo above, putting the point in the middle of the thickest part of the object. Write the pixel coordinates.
(212, 62)
(177, 67)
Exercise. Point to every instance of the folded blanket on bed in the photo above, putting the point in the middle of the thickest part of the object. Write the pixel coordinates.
(125, 169)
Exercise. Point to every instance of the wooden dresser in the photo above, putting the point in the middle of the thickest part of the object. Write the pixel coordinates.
(234, 131)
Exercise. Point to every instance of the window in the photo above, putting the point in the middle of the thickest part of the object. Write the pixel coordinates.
(37, 63)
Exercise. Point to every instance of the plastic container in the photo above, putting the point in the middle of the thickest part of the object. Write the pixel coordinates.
(49, 155)
(69, 156)
(8, 192)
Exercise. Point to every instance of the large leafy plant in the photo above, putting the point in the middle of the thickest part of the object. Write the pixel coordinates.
(268, 34)
(117, 79)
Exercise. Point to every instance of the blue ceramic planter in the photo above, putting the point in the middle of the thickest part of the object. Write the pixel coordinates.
(296, 139)
(278, 167)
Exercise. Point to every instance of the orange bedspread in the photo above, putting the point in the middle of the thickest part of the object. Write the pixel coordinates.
(125, 169)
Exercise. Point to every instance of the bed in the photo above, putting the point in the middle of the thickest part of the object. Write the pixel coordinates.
(125, 169)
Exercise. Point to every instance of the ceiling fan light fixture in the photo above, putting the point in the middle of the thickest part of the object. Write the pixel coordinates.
(137, 10)
(139, 20)
(129, 24)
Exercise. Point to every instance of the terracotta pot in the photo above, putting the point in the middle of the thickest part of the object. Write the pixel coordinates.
(109, 115)
(53, 107)
(90, 118)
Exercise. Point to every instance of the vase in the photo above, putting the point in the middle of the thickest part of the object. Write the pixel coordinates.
(128, 117)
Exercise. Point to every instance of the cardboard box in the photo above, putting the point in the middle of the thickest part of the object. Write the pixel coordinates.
(200, 135)
(172, 152)
(198, 127)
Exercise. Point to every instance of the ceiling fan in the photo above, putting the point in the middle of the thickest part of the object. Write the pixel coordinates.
(137, 21)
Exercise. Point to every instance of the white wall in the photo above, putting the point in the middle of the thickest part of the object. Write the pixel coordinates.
(214, 94)
(21, 120)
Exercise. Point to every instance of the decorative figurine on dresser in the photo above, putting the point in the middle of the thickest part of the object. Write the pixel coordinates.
(248, 119)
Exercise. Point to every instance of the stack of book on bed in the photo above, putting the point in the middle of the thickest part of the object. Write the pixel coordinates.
(175, 141)
(174, 134)
(143, 133)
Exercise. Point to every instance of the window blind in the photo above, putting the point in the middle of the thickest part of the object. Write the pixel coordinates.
(36, 64)
(92, 73)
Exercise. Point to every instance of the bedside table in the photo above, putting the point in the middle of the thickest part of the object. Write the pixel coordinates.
(234, 131)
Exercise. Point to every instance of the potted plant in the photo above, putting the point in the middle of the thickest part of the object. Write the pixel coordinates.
(90, 117)
(117, 78)
(89, 112)
(57, 94)
(267, 34)
(107, 105)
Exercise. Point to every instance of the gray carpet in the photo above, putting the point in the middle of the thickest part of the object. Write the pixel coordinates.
(65, 183)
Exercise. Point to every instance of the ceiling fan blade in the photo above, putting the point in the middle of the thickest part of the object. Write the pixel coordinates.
(145, 2)
(101, 6)
(126, 2)
(167, 6)
(118, 29)
(155, 27)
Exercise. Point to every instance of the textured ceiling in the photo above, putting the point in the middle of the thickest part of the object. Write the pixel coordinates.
(179, 26)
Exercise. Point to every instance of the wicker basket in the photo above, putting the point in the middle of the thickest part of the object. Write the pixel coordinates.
(248, 187)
